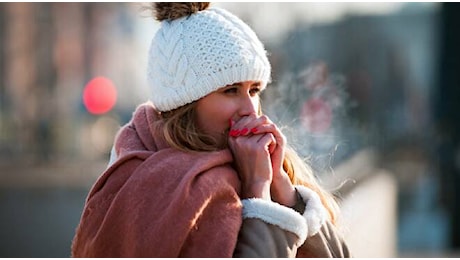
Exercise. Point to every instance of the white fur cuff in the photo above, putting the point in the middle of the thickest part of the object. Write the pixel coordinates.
(276, 214)
(315, 213)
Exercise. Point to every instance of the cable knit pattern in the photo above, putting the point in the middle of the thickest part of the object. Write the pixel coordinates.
(193, 56)
(315, 213)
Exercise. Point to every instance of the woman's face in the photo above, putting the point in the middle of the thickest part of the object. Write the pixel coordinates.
(231, 102)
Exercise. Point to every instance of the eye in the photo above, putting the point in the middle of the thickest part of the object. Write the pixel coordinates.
(231, 90)
(255, 91)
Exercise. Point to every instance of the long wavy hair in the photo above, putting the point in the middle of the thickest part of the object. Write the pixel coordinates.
(180, 130)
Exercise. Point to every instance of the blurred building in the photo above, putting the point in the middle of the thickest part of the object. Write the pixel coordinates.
(49, 51)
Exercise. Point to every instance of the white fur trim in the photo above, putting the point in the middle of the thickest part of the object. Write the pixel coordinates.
(276, 214)
(315, 213)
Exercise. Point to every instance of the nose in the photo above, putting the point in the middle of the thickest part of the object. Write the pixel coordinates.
(248, 105)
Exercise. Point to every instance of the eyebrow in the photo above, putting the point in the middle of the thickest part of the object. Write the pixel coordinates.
(255, 84)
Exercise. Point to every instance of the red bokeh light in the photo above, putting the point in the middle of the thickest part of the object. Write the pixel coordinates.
(99, 95)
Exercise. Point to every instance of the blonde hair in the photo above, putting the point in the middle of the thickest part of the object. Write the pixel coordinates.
(180, 130)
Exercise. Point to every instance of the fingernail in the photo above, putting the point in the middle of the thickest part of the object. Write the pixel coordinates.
(254, 130)
(244, 131)
(234, 133)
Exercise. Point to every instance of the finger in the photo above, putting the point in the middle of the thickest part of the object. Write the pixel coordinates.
(273, 129)
(267, 142)
(238, 128)
(249, 124)
(245, 120)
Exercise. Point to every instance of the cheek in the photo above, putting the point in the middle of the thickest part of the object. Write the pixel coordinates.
(213, 117)
(218, 120)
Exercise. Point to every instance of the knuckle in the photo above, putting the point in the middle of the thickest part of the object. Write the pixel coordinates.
(282, 137)
(252, 116)
(264, 118)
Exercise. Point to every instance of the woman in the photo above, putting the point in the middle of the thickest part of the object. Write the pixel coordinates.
(200, 171)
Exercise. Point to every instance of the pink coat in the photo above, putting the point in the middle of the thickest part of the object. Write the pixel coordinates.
(156, 201)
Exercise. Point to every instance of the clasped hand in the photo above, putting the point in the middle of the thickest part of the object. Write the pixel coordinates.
(258, 148)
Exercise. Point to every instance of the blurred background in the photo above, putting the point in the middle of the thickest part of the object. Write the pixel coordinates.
(367, 92)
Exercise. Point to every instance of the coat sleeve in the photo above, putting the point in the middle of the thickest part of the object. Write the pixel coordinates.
(272, 230)
(269, 230)
(327, 243)
(323, 240)
(260, 239)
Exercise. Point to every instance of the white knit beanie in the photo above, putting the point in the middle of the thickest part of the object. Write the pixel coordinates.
(196, 53)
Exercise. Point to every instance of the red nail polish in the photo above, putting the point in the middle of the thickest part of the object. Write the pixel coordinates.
(254, 130)
(234, 133)
(244, 131)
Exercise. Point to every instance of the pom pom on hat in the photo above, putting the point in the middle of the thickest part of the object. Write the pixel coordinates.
(199, 49)
(174, 10)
